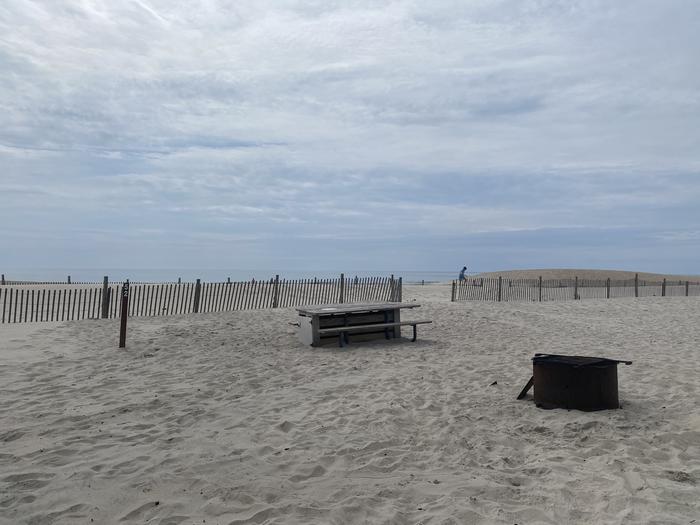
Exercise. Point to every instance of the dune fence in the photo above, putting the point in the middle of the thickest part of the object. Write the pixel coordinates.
(29, 302)
(503, 289)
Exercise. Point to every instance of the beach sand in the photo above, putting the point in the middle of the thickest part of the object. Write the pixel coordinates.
(226, 418)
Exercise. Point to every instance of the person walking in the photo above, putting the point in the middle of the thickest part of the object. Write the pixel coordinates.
(461, 273)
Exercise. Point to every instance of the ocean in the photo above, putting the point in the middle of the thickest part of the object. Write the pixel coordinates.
(209, 274)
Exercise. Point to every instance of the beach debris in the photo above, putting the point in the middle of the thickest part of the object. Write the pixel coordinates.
(681, 476)
(494, 383)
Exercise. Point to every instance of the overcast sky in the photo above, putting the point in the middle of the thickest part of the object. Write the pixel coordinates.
(354, 135)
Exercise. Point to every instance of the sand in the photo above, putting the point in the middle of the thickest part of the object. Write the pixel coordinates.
(226, 418)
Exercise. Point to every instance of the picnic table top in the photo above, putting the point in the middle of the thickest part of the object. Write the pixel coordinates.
(346, 308)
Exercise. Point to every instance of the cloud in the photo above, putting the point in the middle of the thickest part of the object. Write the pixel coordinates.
(348, 120)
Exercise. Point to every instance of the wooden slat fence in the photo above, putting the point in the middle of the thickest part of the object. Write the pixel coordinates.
(20, 304)
(502, 289)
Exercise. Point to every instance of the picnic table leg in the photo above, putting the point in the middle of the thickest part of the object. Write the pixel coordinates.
(342, 335)
(315, 326)
(415, 332)
(396, 318)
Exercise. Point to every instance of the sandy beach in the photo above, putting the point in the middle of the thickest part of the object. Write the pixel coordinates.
(226, 418)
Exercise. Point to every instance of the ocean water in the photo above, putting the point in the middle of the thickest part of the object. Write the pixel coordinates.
(209, 274)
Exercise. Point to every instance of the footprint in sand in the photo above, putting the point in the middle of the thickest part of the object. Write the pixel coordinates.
(11, 435)
(27, 481)
(316, 472)
(285, 426)
(143, 513)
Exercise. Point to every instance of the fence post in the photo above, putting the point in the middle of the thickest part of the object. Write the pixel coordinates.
(686, 288)
(454, 284)
(276, 292)
(576, 288)
(540, 288)
(400, 289)
(341, 294)
(500, 285)
(607, 285)
(3, 279)
(197, 292)
(636, 285)
(124, 314)
(105, 297)
(663, 288)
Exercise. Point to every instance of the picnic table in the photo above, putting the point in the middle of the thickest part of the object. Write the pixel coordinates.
(328, 323)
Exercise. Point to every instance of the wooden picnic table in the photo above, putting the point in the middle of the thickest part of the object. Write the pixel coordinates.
(330, 323)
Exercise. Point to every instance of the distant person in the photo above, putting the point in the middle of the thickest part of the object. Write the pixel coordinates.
(461, 273)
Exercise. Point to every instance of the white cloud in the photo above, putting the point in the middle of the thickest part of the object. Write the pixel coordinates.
(312, 118)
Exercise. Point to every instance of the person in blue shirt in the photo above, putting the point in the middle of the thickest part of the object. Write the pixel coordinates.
(461, 273)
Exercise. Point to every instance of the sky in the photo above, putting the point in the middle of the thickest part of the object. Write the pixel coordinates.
(356, 135)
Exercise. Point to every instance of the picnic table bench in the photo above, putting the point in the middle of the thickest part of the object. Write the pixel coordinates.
(324, 324)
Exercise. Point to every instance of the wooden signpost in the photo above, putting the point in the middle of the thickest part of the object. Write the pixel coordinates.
(105, 297)
(124, 314)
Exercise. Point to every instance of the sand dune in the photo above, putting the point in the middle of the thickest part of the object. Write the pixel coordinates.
(226, 418)
(570, 273)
